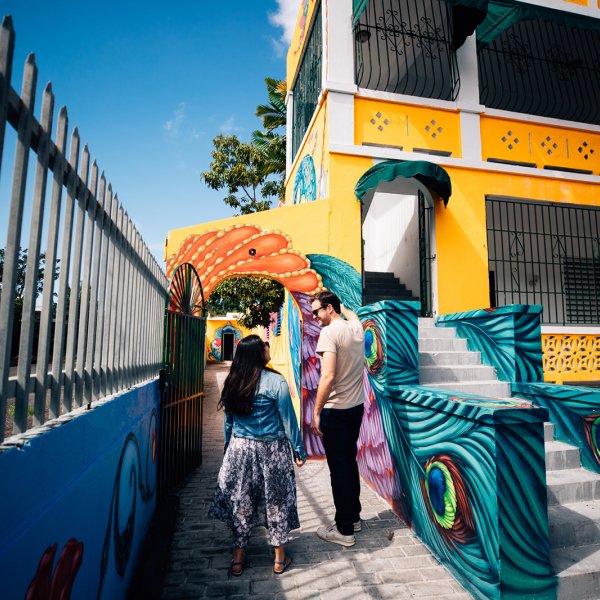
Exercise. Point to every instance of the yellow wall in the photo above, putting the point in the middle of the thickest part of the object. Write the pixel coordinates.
(211, 329)
(461, 228)
(315, 145)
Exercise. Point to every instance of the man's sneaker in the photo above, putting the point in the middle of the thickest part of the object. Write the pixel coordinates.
(357, 526)
(331, 534)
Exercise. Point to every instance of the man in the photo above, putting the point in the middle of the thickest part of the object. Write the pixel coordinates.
(339, 409)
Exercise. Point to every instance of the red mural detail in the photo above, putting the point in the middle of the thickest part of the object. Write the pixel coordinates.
(58, 585)
(245, 250)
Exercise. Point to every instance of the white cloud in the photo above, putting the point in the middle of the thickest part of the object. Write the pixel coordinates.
(285, 17)
(173, 126)
(229, 126)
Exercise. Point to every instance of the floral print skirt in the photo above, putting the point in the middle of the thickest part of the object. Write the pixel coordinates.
(257, 487)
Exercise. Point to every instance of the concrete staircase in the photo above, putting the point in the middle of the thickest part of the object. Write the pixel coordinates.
(384, 286)
(573, 492)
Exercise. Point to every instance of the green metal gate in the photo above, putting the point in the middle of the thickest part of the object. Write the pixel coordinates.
(182, 379)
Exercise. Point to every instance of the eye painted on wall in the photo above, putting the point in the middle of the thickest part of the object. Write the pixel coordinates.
(252, 252)
(447, 500)
(373, 347)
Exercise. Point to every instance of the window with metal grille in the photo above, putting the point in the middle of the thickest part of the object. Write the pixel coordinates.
(405, 47)
(545, 253)
(542, 68)
(308, 83)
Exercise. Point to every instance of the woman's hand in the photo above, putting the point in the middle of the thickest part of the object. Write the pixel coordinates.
(299, 461)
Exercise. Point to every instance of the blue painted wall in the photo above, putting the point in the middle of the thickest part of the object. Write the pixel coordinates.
(78, 499)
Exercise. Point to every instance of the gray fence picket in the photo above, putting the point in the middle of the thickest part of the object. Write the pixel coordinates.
(7, 50)
(63, 284)
(93, 315)
(13, 238)
(88, 215)
(43, 354)
(33, 254)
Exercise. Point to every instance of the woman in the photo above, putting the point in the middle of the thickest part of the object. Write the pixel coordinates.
(257, 484)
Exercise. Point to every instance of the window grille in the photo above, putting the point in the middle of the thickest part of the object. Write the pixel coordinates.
(405, 47)
(548, 254)
(543, 68)
(308, 84)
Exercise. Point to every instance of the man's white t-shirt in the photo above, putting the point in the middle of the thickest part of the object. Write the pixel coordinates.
(346, 339)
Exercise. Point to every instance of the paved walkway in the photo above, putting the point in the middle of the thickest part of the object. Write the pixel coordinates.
(388, 561)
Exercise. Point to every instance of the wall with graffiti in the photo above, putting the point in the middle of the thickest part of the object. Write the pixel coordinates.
(217, 332)
(76, 530)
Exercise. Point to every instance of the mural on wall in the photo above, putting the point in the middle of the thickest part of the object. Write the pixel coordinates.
(245, 250)
(305, 183)
(575, 412)
(215, 346)
(460, 467)
(132, 477)
(76, 530)
(57, 583)
(508, 337)
(295, 341)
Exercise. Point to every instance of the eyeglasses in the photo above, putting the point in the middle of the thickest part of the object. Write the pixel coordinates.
(315, 312)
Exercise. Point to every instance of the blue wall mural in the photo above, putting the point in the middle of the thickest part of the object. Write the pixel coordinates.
(305, 183)
(508, 337)
(76, 528)
(575, 412)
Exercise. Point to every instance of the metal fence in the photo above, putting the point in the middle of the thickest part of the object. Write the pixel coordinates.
(548, 254)
(99, 329)
(543, 68)
(405, 47)
(308, 83)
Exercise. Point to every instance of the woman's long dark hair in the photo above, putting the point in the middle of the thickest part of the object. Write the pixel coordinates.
(240, 385)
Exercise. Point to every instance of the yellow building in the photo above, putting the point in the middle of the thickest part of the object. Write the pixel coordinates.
(466, 164)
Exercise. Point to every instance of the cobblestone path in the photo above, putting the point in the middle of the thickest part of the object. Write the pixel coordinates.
(388, 561)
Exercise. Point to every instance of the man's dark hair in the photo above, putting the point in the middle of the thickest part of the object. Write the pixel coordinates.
(326, 298)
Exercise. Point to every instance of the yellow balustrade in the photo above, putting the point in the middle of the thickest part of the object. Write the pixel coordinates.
(410, 128)
(571, 357)
(540, 145)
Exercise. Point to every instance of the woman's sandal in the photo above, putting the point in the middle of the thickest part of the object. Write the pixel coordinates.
(284, 564)
(236, 568)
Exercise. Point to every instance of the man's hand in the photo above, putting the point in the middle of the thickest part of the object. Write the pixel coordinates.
(299, 462)
(315, 424)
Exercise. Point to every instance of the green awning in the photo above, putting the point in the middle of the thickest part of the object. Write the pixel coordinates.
(432, 176)
(466, 15)
(501, 14)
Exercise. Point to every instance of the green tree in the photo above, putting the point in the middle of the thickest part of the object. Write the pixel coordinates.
(20, 279)
(240, 168)
(271, 140)
(255, 297)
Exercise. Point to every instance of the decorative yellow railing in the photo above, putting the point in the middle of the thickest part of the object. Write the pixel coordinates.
(409, 128)
(543, 146)
(570, 357)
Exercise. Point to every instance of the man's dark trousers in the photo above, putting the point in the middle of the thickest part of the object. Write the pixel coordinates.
(340, 428)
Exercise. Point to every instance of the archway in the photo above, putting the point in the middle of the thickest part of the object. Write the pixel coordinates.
(398, 229)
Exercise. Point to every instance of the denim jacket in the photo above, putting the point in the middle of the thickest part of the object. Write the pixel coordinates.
(272, 416)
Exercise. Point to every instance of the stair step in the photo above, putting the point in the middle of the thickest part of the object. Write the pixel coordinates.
(574, 524)
(578, 570)
(385, 284)
(489, 389)
(442, 344)
(572, 485)
(378, 274)
(437, 332)
(561, 456)
(463, 374)
(371, 299)
(451, 357)
(548, 431)
(426, 322)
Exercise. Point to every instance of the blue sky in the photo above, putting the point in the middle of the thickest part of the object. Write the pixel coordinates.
(149, 84)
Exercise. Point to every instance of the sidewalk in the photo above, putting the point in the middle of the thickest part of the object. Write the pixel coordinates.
(388, 561)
